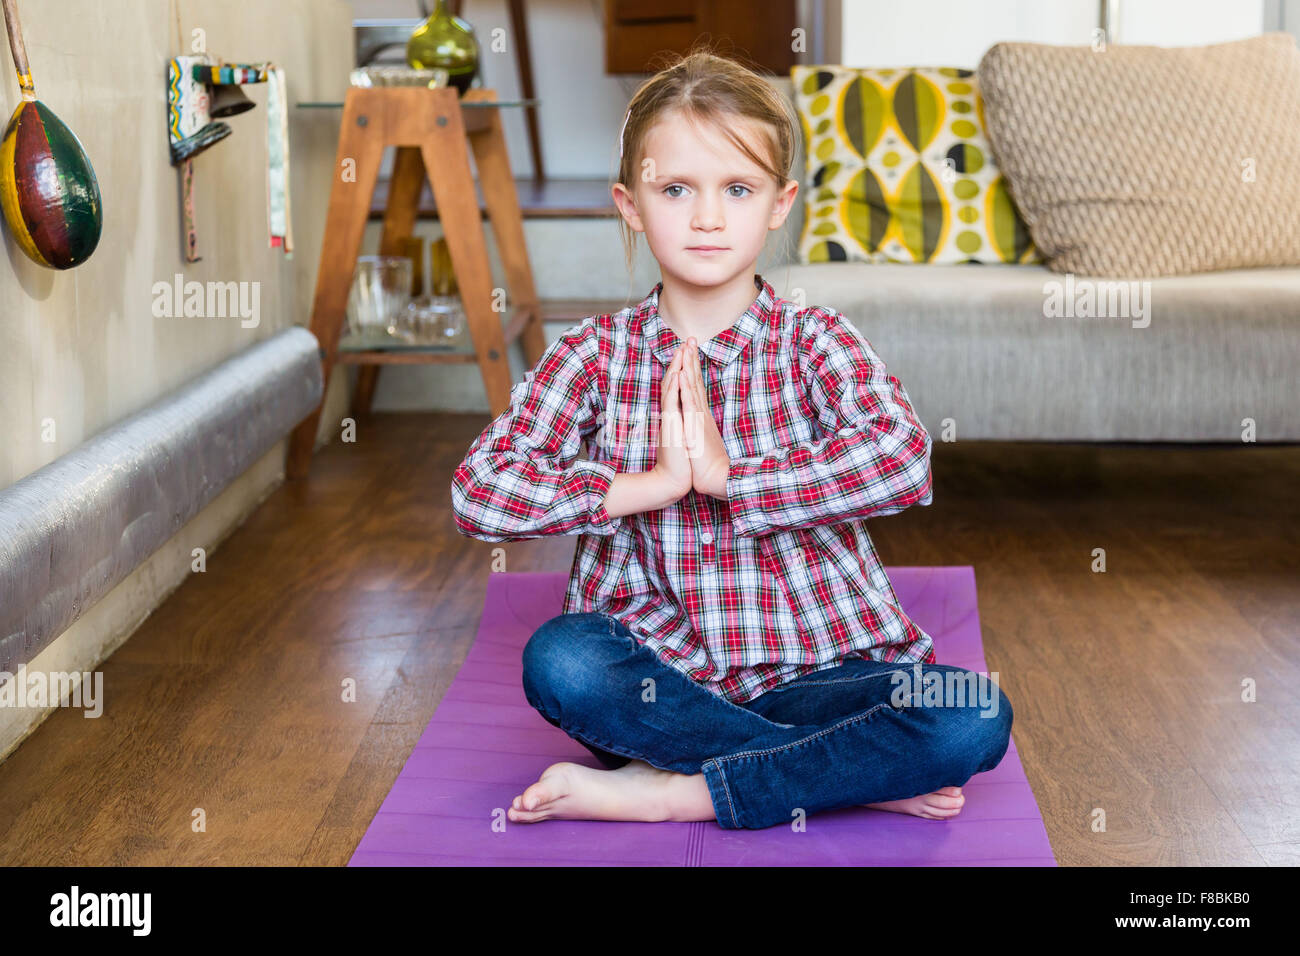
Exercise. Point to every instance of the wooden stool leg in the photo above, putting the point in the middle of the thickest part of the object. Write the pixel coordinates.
(345, 223)
(447, 161)
(363, 393)
(502, 201)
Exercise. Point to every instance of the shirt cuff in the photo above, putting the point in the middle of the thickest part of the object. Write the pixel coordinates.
(743, 490)
(599, 475)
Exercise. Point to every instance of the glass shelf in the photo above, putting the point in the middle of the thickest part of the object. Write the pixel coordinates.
(382, 342)
(389, 350)
(464, 104)
(378, 347)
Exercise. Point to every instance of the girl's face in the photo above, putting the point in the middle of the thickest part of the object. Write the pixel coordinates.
(696, 190)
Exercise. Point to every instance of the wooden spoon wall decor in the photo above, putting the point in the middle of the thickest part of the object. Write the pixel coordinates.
(48, 187)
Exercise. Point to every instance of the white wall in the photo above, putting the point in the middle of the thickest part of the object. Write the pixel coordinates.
(957, 32)
(1188, 22)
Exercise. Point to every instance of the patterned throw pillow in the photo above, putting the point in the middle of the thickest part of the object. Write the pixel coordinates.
(899, 169)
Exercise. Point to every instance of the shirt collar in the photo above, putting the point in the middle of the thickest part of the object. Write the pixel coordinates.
(723, 347)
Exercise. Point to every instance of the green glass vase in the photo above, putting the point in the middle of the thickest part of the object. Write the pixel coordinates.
(447, 42)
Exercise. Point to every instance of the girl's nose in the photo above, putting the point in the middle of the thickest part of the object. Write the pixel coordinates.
(708, 215)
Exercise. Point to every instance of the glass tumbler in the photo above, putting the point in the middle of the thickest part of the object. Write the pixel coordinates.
(381, 289)
(434, 320)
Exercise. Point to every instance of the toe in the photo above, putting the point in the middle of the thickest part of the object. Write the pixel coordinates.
(525, 816)
(536, 796)
(941, 801)
(552, 785)
(941, 813)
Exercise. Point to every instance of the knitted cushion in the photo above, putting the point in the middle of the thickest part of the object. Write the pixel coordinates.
(1151, 161)
(898, 169)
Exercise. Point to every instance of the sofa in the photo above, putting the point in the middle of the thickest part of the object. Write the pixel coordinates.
(978, 357)
(986, 352)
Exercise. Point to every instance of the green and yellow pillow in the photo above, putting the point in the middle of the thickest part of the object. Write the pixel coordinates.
(899, 169)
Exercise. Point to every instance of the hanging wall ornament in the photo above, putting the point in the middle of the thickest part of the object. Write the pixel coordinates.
(190, 130)
(48, 187)
(229, 100)
(198, 90)
(233, 75)
(190, 127)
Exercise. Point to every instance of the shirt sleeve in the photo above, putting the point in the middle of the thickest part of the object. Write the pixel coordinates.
(521, 477)
(874, 459)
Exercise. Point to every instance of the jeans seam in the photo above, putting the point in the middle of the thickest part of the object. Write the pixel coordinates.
(731, 807)
(825, 730)
(838, 680)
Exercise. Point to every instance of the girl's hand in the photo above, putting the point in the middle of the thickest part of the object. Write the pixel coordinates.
(672, 463)
(710, 462)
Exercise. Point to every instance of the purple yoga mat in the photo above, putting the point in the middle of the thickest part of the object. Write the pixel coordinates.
(485, 744)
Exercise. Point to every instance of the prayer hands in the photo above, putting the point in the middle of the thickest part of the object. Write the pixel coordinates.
(708, 455)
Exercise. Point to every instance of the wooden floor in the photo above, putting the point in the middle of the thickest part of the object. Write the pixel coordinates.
(1127, 685)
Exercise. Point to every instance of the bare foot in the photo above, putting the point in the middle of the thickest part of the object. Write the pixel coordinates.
(635, 791)
(943, 804)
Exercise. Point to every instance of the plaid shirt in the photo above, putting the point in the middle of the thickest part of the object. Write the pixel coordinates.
(741, 594)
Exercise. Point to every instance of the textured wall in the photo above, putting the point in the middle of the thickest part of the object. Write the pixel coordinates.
(82, 349)
(71, 531)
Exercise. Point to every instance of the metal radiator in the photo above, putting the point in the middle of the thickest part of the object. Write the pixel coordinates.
(77, 527)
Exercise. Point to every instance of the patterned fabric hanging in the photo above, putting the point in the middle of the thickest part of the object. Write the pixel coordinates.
(191, 130)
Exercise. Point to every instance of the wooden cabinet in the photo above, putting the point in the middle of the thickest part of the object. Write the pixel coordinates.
(758, 32)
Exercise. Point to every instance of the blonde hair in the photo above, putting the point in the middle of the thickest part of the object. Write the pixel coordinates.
(708, 88)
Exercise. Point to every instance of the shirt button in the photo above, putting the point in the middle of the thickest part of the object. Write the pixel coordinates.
(706, 538)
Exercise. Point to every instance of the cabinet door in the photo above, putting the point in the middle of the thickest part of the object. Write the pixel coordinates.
(757, 32)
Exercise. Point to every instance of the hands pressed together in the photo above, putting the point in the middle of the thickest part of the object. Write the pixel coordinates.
(691, 453)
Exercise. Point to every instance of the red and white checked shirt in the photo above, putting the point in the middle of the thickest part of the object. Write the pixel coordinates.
(740, 595)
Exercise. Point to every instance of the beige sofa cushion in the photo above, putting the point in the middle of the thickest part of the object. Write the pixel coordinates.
(1151, 161)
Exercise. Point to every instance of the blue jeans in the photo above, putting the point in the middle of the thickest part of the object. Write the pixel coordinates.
(848, 734)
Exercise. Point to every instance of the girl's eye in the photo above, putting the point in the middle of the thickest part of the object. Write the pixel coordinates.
(672, 195)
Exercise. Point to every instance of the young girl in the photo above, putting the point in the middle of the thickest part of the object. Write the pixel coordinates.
(730, 646)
